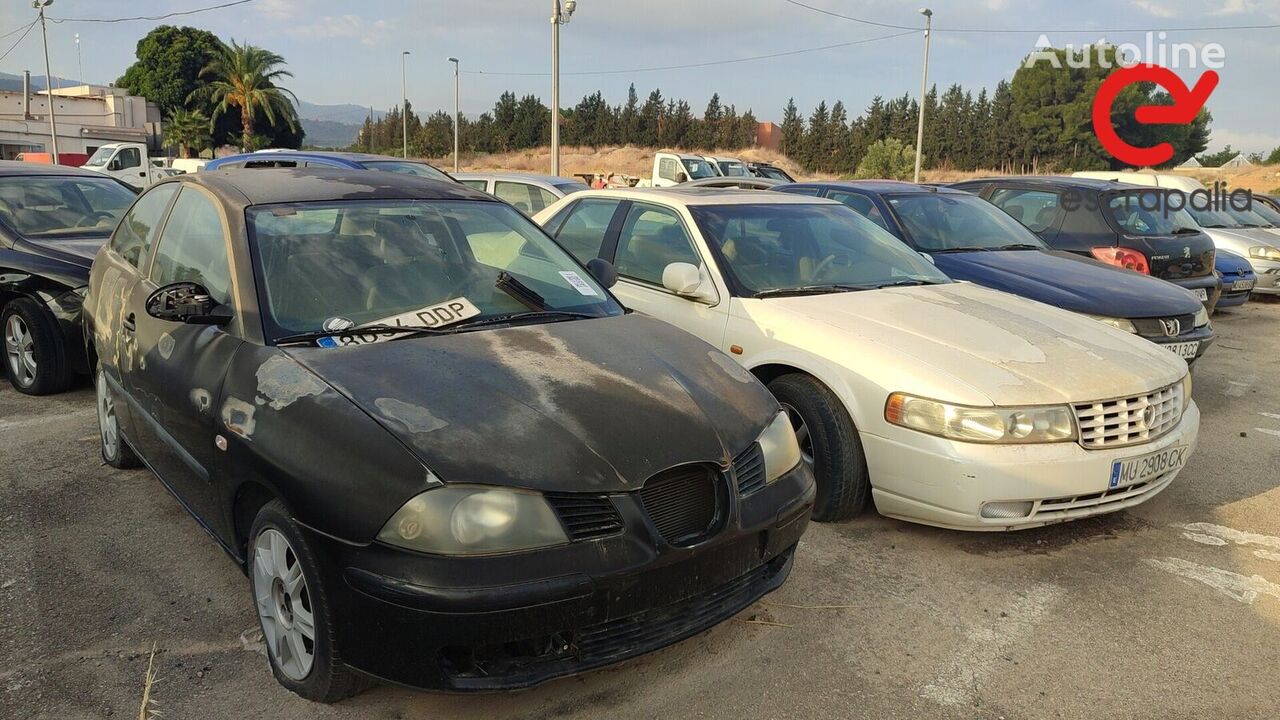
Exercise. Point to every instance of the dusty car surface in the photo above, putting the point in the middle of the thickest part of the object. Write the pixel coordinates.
(948, 403)
(443, 453)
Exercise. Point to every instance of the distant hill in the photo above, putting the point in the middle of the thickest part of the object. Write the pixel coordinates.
(346, 114)
(329, 134)
(11, 82)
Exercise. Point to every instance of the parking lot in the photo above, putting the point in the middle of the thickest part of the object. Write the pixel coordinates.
(1169, 610)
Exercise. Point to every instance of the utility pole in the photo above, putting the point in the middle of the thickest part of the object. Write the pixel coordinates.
(80, 61)
(404, 102)
(924, 86)
(559, 16)
(48, 82)
(457, 116)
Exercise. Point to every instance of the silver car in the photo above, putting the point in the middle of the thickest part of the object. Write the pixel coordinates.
(526, 193)
(1246, 233)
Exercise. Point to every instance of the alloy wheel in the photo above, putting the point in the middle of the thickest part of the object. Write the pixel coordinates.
(802, 434)
(284, 604)
(20, 348)
(108, 425)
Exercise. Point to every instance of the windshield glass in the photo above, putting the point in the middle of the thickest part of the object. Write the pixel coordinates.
(952, 222)
(698, 169)
(1132, 214)
(733, 169)
(339, 264)
(405, 167)
(569, 188)
(779, 246)
(52, 206)
(1250, 218)
(1213, 219)
(100, 157)
(1268, 213)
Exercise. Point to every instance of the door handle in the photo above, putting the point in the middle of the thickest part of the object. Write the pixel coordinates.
(142, 174)
(130, 323)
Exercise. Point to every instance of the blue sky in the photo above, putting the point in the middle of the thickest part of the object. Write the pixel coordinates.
(349, 52)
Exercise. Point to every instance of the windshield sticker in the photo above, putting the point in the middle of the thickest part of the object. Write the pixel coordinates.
(337, 324)
(578, 283)
(432, 316)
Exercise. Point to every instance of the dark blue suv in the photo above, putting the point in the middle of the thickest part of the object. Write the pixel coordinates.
(971, 239)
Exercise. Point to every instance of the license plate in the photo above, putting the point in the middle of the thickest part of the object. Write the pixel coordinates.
(1201, 294)
(1186, 350)
(1139, 469)
(1242, 285)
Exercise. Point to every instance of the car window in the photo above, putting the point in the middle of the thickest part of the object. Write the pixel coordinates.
(481, 185)
(524, 197)
(137, 231)
(583, 231)
(956, 221)
(406, 167)
(192, 247)
(53, 206)
(801, 191)
(129, 158)
(1142, 212)
(860, 204)
(652, 238)
(668, 168)
(1037, 209)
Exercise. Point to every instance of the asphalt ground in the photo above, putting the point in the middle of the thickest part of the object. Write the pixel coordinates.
(1170, 610)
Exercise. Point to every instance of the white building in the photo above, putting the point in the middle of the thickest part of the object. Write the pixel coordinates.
(87, 115)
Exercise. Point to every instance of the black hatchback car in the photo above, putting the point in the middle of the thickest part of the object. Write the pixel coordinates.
(444, 454)
(1111, 222)
(53, 219)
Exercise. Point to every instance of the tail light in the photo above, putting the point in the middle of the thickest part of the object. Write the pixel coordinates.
(1124, 258)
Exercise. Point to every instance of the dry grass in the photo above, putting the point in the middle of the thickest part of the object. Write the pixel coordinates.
(147, 710)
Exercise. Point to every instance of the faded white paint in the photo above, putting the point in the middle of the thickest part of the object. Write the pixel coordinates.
(282, 382)
(736, 371)
(414, 418)
(1239, 537)
(1204, 539)
(237, 417)
(1268, 431)
(1238, 388)
(963, 676)
(1242, 588)
(1267, 555)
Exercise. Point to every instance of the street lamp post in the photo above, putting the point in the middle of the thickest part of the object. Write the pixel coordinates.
(80, 61)
(404, 102)
(559, 16)
(48, 82)
(924, 86)
(457, 117)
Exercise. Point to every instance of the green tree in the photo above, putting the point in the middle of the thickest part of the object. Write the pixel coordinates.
(243, 77)
(889, 159)
(1220, 158)
(190, 130)
(1274, 157)
(168, 65)
(792, 131)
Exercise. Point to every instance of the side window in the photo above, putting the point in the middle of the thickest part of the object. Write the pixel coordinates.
(129, 158)
(193, 247)
(652, 238)
(1037, 209)
(525, 198)
(668, 168)
(545, 198)
(860, 204)
(137, 230)
(584, 230)
(481, 185)
(801, 191)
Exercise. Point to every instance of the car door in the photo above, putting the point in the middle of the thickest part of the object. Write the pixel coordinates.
(177, 377)
(650, 238)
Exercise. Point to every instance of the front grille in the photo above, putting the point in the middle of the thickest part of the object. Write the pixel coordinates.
(1129, 421)
(1066, 506)
(748, 470)
(586, 517)
(1155, 327)
(683, 504)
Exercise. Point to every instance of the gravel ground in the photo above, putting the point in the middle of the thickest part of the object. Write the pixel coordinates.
(1169, 610)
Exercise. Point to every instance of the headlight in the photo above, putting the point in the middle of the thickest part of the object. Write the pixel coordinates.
(1202, 317)
(781, 451)
(996, 425)
(474, 520)
(1186, 391)
(1265, 252)
(1117, 323)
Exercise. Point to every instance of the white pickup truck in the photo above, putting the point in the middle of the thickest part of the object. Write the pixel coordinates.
(130, 163)
(672, 168)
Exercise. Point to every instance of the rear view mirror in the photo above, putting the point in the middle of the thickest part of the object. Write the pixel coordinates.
(603, 272)
(187, 302)
(685, 280)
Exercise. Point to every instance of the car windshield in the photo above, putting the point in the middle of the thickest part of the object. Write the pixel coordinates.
(406, 167)
(100, 157)
(733, 169)
(1268, 213)
(569, 188)
(942, 222)
(53, 206)
(392, 262)
(774, 247)
(1251, 217)
(1143, 212)
(1213, 218)
(698, 169)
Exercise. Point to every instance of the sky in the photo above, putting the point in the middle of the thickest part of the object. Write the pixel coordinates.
(350, 52)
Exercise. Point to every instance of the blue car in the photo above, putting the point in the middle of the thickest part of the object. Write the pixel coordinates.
(971, 239)
(308, 158)
(1237, 276)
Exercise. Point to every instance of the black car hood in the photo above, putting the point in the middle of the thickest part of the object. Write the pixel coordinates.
(588, 405)
(78, 249)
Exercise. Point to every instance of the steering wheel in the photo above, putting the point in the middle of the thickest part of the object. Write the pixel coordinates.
(830, 261)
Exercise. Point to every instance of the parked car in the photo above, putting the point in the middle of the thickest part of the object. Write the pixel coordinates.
(1238, 279)
(53, 218)
(970, 239)
(741, 183)
(1247, 237)
(672, 168)
(526, 193)
(948, 403)
(440, 450)
(766, 170)
(1109, 221)
(727, 166)
(130, 163)
(318, 159)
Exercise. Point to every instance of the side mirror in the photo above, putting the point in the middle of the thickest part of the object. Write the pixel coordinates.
(929, 257)
(603, 272)
(187, 302)
(685, 280)
(114, 164)
(682, 178)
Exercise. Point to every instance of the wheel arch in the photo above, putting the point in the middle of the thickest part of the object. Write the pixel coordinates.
(250, 497)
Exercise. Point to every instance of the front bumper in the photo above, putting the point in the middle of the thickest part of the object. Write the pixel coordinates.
(511, 621)
(1203, 335)
(938, 482)
(1268, 276)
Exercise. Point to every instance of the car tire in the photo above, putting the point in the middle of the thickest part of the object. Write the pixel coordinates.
(34, 357)
(839, 465)
(283, 604)
(115, 449)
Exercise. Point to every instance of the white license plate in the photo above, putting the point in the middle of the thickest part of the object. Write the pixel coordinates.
(1201, 294)
(1242, 285)
(1135, 470)
(1186, 350)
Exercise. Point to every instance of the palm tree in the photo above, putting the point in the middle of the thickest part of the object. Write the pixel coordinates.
(244, 77)
(190, 130)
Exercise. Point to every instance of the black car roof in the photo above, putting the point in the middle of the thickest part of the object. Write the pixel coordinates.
(879, 187)
(286, 185)
(1057, 181)
(9, 168)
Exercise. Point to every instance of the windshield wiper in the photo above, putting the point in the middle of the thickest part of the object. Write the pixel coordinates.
(1186, 231)
(509, 284)
(1019, 246)
(406, 330)
(946, 251)
(808, 290)
(906, 282)
(517, 317)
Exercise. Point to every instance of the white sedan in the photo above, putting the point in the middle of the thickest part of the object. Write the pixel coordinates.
(947, 403)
